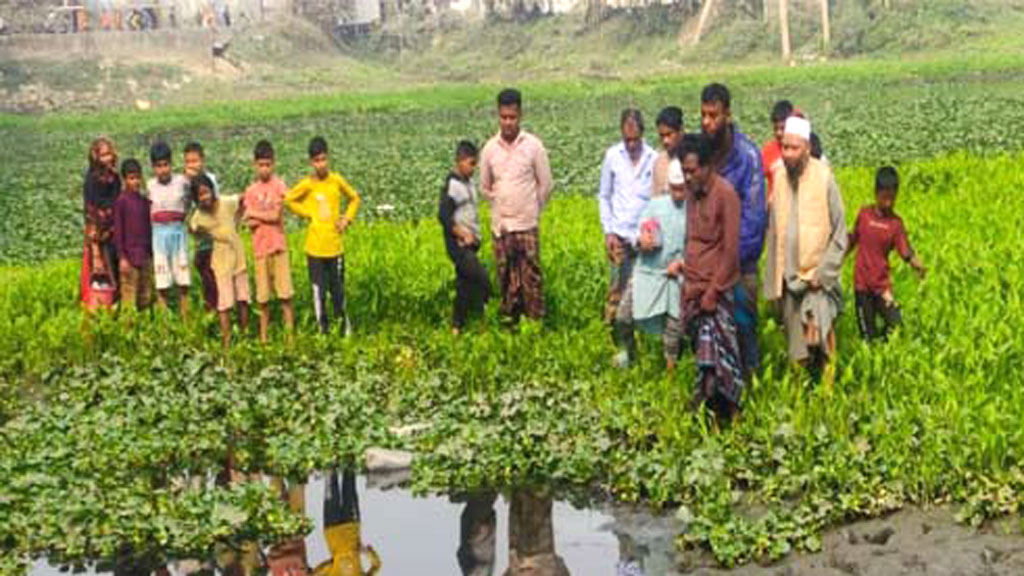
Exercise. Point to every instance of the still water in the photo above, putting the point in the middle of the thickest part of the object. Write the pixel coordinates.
(414, 536)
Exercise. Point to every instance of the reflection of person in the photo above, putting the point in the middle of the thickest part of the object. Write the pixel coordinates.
(477, 532)
(289, 558)
(631, 557)
(531, 538)
(341, 530)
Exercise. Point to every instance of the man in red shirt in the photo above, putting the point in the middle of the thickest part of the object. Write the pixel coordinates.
(771, 152)
(878, 231)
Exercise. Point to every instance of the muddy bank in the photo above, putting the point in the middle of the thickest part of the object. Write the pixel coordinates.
(924, 543)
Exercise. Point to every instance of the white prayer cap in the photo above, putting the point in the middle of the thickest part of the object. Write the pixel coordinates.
(675, 173)
(798, 126)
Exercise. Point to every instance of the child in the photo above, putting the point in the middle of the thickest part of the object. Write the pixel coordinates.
(218, 217)
(264, 201)
(457, 210)
(878, 231)
(133, 235)
(318, 198)
(195, 164)
(98, 282)
(169, 198)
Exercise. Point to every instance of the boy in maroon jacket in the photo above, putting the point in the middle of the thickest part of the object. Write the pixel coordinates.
(877, 232)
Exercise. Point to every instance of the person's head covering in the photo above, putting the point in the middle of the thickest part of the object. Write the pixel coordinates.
(798, 127)
(675, 173)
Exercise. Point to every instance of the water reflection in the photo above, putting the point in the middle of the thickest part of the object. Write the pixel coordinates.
(515, 534)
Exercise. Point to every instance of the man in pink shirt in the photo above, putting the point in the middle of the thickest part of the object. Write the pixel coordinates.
(515, 177)
(264, 202)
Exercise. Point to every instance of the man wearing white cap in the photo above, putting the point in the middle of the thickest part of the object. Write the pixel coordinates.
(651, 298)
(806, 242)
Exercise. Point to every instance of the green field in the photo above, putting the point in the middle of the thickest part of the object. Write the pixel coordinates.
(100, 433)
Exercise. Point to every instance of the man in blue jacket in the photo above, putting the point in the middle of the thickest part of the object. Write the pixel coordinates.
(737, 159)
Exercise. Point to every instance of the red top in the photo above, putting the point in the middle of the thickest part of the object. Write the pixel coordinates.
(877, 235)
(771, 153)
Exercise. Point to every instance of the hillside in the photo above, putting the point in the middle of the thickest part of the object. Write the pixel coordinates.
(290, 56)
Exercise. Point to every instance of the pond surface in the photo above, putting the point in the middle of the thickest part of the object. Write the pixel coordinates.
(416, 536)
(422, 536)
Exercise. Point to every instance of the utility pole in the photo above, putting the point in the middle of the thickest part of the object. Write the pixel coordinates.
(705, 12)
(826, 30)
(787, 55)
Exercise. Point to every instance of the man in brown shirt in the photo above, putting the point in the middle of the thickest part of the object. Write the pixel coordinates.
(515, 178)
(710, 270)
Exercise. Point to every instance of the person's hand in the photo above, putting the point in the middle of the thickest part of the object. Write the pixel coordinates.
(887, 296)
(676, 268)
(613, 248)
(814, 284)
(709, 301)
(919, 268)
(124, 265)
(341, 225)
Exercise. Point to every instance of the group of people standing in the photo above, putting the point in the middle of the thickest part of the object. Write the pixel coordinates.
(685, 229)
(133, 241)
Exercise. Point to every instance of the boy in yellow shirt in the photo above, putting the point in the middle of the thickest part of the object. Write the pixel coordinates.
(318, 198)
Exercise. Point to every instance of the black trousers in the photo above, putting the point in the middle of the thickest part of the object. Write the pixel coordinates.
(472, 284)
(327, 275)
(341, 506)
(871, 307)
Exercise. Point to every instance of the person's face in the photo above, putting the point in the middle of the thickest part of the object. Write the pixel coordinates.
(795, 151)
(779, 129)
(714, 117)
(466, 166)
(105, 156)
(678, 193)
(132, 182)
(264, 169)
(162, 171)
(205, 197)
(193, 164)
(320, 165)
(669, 137)
(886, 200)
(696, 175)
(508, 119)
(633, 138)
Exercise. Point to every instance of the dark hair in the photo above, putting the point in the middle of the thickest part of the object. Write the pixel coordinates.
(194, 147)
(159, 152)
(465, 149)
(130, 166)
(510, 97)
(697, 144)
(200, 180)
(887, 179)
(671, 116)
(317, 146)
(632, 115)
(716, 93)
(816, 150)
(782, 110)
(263, 151)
